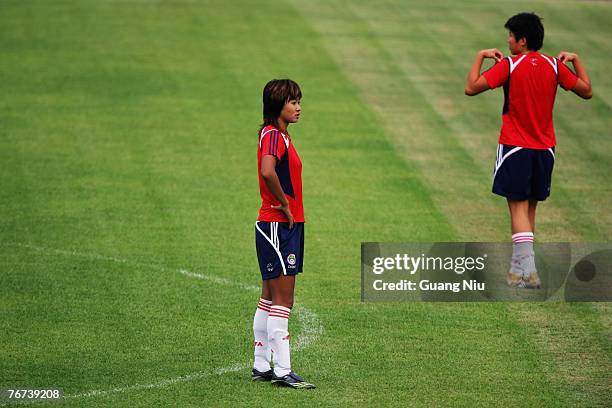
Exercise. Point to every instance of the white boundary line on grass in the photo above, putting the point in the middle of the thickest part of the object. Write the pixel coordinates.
(311, 325)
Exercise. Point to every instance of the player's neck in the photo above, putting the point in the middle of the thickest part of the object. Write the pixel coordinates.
(282, 125)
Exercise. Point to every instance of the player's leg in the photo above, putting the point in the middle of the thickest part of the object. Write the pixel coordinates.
(512, 178)
(522, 265)
(266, 294)
(266, 290)
(542, 164)
(261, 365)
(519, 216)
(278, 328)
(532, 280)
(533, 204)
(266, 256)
(282, 289)
(278, 323)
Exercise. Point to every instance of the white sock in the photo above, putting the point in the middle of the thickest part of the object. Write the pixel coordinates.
(260, 332)
(522, 250)
(278, 335)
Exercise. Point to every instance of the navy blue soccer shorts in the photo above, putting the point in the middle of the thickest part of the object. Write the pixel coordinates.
(523, 174)
(280, 250)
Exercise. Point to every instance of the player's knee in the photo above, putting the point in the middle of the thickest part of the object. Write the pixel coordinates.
(284, 301)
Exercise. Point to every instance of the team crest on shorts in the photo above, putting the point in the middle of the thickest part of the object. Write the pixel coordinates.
(270, 267)
(291, 259)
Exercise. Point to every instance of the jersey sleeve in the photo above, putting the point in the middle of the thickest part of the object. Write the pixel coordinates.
(273, 144)
(497, 74)
(566, 78)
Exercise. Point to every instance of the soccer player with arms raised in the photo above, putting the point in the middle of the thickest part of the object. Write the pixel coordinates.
(526, 150)
(279, 233)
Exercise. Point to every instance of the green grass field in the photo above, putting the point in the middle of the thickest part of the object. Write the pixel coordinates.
(128, 133)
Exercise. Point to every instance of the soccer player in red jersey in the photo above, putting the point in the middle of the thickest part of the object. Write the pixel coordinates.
(279, 233)
(526, 150)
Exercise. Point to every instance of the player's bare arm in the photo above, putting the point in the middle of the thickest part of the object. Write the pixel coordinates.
(268, 173)
(583, 85)
(476, 82)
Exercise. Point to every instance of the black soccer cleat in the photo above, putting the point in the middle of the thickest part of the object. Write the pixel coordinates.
(257, 375)
(291, 380)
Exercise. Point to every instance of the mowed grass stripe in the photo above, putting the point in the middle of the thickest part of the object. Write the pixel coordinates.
(586, 128)
(575, 336)
(340, 26)
(416, 129)
(331, 25)
(571, 336)
(599, 14)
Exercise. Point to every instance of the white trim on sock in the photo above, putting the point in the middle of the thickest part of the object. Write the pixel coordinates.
(522, 237)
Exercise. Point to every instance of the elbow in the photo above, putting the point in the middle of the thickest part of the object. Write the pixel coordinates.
(583, 90)
(267, 175)
(469, 91)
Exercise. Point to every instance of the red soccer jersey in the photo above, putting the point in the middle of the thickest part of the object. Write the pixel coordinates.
(289, 171)
(530, 85)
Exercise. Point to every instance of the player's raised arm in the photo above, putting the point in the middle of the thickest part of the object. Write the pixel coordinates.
(477, 83)
(582, 87)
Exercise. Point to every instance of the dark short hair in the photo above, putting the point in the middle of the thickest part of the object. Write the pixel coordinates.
(276, 94)
(528, 26)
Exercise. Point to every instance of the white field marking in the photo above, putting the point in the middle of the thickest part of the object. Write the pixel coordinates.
(211, 278)
(311, 325)
(162, 383)
(216, 279)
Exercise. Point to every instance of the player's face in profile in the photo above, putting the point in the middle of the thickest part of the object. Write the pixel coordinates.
(291, 111)
(514, 46)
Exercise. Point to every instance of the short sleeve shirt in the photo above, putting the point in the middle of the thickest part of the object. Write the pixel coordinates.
(289, 171)
(530, 85)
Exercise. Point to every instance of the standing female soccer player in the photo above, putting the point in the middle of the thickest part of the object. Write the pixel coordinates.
(279, 233)
(526, 150)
